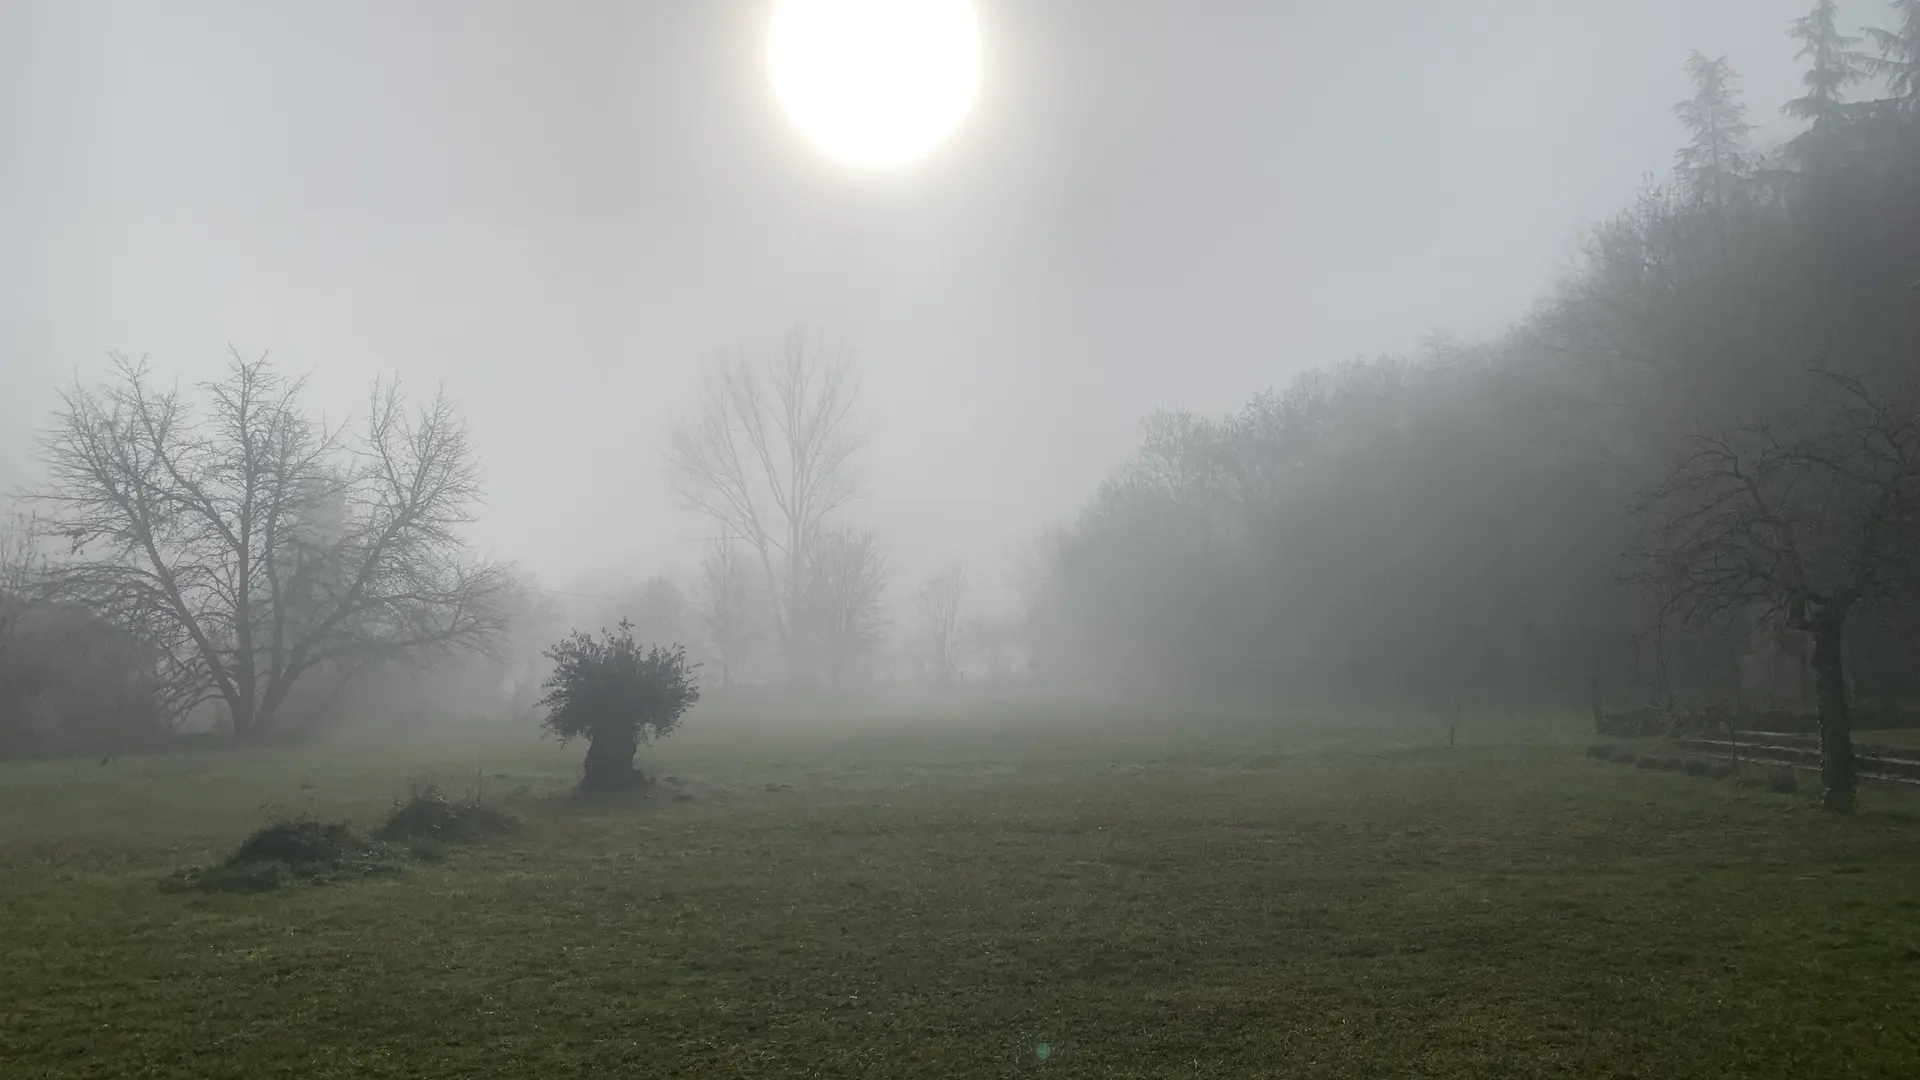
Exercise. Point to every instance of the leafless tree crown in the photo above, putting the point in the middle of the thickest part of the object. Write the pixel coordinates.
(1808, 517)
(251, 543)
(770, 455)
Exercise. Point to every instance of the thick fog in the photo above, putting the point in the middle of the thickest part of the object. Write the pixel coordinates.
(562, 210)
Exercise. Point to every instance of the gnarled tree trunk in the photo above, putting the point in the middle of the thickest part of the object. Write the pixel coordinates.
(609, 764)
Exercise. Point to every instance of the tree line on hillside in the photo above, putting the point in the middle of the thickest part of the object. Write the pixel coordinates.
(1717, 407)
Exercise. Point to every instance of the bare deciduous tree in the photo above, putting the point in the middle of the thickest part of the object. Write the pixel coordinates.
(18, 553)
(725, 598)
(252, 544)
(939, 601)
(846, 580)
(1814, 519)
(770, 455)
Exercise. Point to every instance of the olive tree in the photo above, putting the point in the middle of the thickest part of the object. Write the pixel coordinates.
(617, 695)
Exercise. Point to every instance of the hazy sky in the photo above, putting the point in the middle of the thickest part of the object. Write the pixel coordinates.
(562, 209)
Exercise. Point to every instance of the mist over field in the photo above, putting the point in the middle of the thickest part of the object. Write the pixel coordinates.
(563, 211)
(955, 537)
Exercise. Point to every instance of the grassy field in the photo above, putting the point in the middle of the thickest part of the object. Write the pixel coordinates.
(1013, 893)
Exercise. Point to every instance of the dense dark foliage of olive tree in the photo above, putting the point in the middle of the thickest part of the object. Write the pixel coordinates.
(617, 695)
(1457, 521)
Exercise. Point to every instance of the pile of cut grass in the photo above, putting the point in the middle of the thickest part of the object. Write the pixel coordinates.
(303, 851)
(292, 852)
(428, 815)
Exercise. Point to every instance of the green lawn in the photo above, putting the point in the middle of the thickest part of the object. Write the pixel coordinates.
(1012, 893)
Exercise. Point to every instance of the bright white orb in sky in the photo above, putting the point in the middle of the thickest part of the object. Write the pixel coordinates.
(875, 83)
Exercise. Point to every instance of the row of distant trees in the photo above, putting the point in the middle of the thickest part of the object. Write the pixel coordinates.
(228, 554)
(1719, 407)
(724, 615)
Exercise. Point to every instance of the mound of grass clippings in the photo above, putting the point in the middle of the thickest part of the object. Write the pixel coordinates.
(291, 852)
(428, 815)
(297, 843)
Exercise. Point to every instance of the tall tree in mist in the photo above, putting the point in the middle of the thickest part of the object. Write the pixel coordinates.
(725, 601)
(1899, 59)
(251, 544)
(1815, 517)
(938, 602)
(770, 457)
(1833, 64)
(846, 584)
(1715, 157)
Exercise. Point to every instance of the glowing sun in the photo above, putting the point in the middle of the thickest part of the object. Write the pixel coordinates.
(875, 83)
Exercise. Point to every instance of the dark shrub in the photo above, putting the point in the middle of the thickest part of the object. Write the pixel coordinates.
(428, 814)
(1603, 752)
(1648, 763)
(618, 697)
(1625, 757)
(1672, 764)
(1722, 771)
(1696, 767)
(1783, 782)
